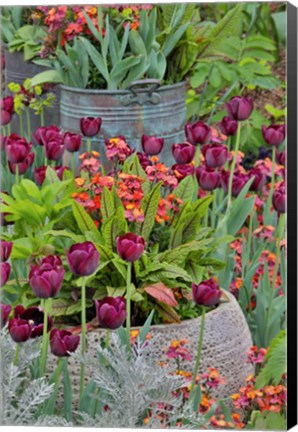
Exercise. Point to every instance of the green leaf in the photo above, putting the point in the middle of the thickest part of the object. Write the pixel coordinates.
(107, 207)
(49, 76)
(146, 327)
(67, 393)
(114, 226)
(84, 221)
(167, 313)
(149, 206)
(185, 189)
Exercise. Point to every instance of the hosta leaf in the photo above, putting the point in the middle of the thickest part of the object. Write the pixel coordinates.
(161, 293)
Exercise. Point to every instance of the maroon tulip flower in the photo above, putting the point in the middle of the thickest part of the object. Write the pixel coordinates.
(17, 148)
(3, 142)
(274, 135)
(34, 317)
(46, 278)
(208, 178)
(207, 293)
(281, 157)
(4, 314)
(197, 133)
(239, 181)
(5, 272)
(240, 108)
(7, 110)
(183, 153)
(279, 198)
(54, 149)
(72, 142)
(228, 126)
(130, 246)
(82, 258)
(45, 134)
(215, 155)
(62, 342)
(259, 179)
(183, 170)
(40, 174)
(90, 126)
(22, 166)
(144, 160)
(3, 221)
(111, 312)
(19, 329)
(5, 250)
(152, 145)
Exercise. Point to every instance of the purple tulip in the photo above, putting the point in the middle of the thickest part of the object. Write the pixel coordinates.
(208, 178)
(34, 317)
(5, 272)
(60, 169)
(5, 117)
(4, 314)
(183, 170)
(54, 149)
(197, 133)
(130, 246)
(215, 155)
(144, 160)
(82, 258)
(228, 126)
(183, 153)
(111, 312)
(152, 145)
(207, 293)
(259, 179)
(281, 157)
(239, 181)
(7, 110)
(46, 133)
(72, 142)
(62, 342)
(46, 278)
(19, 329)
(240, 108)
(40, 174)
(5, 250)
(274, 135)
(17, 148)
(22, 166)
(90, 126)
(279, 198)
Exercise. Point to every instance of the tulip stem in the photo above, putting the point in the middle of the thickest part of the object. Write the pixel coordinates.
(44, 348)
(83, 342)
(42, 117)
(9, 129)
(107, 338)
(28, 124)
(233, 166)
(21, 125)
(272, 175)
(17, 174)
(197, 156)
(89, 142)
(196, 368)
(73, 163)
(213, 214)
(16, 357)
(128, 305)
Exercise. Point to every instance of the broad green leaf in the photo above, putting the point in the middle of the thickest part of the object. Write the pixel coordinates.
(149, 206)
(84, 221)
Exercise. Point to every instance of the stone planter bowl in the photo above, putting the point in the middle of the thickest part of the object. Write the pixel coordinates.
(226, 339)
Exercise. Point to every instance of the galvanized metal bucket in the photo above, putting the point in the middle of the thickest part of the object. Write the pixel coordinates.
(17, 70)
(145, 108)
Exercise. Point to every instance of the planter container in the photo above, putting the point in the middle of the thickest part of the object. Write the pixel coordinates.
(17, 70)
(145, 108)
(226, 339)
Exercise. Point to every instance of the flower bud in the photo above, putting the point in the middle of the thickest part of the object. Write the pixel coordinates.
(259, 179)
(17, 148)
(5, 250)
(152, 145)
(207, 293)
(208, 178)
(228, 126)
(46, 278)
(197, 133)
(90, 126)
(274, 135)
(72, 142)
(62, 342)
(238, 183)
(279, 198)
(183, 170)
(4, 314)
(240, 108)
(22, 166)
(111, 312)
(19, 329)
(130, 247)
(183, 153)
(5, 272)
(215, 155)
(82, 258)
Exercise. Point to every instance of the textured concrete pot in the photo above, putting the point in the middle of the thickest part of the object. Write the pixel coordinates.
(226, 339)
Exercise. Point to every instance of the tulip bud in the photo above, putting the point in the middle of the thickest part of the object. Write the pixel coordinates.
(22, 166)
(46, 278)
(207, 178)
(183, 153)
(152, 145)
(54, 149)
(197, 133)
(72, 142)
(40, 174)
(279, 198)
(19, 329)
(17, 148)
(60, 171)
(228, 126)
(281, 157)
(7, 110)
(5, 272)
(130, 247)
(274, 135)
(240, 108)
(62, 342)
(259, 179)
(111, 312)
(239, 181)
(215, 155)
(182, 171)
(5, 250)
(90, 126)
(34, 317)
(207, 293)
(82, 258)
(4, 314)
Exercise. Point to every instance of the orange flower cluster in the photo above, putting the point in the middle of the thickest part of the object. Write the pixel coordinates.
(130, 192)
(160, 172)
(166, 208)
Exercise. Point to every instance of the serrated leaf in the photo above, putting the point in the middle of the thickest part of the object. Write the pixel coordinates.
(107, 207)
(185, 189)
(149, 206)
(84, 221)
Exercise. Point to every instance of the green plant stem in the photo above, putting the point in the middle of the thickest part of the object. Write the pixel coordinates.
(250, 233)
(73, 166)
(28, 124)
(21, 125)
(16, 357)
(272, 175)
(83, 339)
(128, 304)
(196, 368)
(89, 143)
(42, 117)
(8, 129)
(107, 338)
(214, 207)
(3, 131)
(17, 179)
(233, 165)
(197, 156)
(45, 337)
(15, 273)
